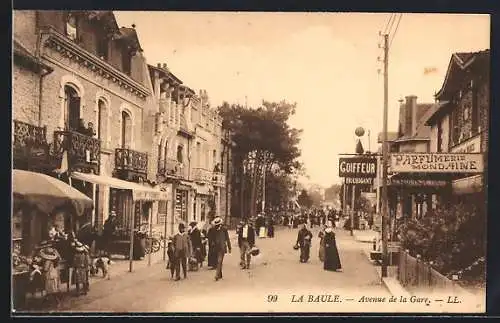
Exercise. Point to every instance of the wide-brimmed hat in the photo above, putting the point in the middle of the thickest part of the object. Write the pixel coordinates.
(217, 221)
(49, 253)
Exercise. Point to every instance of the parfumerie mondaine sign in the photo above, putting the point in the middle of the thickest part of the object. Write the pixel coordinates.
(437, 163)
(358, 167)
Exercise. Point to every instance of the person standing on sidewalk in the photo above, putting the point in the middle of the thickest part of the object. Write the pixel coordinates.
(196, 242)
(222, 245)
(182, 250)
(246, 240)
(332, 258)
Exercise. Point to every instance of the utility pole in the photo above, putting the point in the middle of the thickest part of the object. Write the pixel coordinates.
(385, 159)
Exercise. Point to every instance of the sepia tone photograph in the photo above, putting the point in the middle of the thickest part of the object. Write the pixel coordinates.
(249, 162)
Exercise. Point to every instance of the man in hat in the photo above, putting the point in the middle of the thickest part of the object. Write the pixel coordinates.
(246, 240)
(108, 231)
(182, 250)
(222, 244)
(196, 243)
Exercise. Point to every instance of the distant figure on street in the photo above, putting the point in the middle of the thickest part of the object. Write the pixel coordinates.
(260, 226)
(222, 245)
(270, 228)
(182, 250)
(304, 238)
(246, 240)
(332, 259)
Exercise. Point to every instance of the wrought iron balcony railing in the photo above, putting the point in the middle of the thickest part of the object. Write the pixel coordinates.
(172, 168)
(29, 142)
(131, 160)
(83, 151)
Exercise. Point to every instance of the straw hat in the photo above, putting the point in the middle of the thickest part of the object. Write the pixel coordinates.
(49, 253)
(217, 221)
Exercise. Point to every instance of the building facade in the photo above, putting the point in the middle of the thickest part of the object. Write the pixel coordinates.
(83, 117)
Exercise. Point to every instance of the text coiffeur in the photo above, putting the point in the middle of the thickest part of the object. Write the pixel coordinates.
(358, 167)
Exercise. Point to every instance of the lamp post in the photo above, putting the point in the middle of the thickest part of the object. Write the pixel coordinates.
(359, 132)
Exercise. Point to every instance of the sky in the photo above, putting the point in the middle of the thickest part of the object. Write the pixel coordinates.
(328, 63)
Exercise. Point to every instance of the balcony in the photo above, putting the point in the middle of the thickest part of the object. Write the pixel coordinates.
(131, 163)
(202, 175)
(219, 179)
(83, 151)
(171, 168)
(30, 146)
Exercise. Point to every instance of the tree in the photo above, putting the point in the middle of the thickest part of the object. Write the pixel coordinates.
(304, 199)
(265, 143)
(332, 192)
(316, 198)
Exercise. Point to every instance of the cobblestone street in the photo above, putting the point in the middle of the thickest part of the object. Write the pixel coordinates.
(276, 271)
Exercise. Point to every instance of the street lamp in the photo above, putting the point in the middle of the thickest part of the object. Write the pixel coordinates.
(359, 132)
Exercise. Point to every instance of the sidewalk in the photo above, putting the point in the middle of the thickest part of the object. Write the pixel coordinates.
(365, 235)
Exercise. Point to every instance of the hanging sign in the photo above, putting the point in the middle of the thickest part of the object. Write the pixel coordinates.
(358, 167)
(358, 181)
(437, 163)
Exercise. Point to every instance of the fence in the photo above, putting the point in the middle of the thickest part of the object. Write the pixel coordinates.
(414, 273)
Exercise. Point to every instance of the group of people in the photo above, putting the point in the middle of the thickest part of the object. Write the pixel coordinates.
(191, 248)
(328, 252)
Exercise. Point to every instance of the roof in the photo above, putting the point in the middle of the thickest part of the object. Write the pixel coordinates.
(22, 52)
(437, 113)
(129, 35)
(391, 136)
(106, 18)
(459, 61)
(165, 73)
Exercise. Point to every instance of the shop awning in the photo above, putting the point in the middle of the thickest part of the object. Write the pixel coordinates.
(139, 192)
(467, 185)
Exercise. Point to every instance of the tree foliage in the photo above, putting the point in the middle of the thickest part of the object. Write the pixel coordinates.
(332, 192)
(264, 143)
(304, 199)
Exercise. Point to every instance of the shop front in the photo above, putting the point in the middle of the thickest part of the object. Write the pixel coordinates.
(204, 196)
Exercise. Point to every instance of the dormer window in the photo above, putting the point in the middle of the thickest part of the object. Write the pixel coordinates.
(126, 62)
(102, 46)
(71, 26)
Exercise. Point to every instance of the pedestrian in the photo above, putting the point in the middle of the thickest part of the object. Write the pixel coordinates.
(222, 245)
(304, 238)
(332, 259)
(270, 228)
(246, 240)
(321, 235)
(171, 257)
(182, 250)
(196, 243)
(212, 256)
(50, 258)
(81, 264)
(260, 225)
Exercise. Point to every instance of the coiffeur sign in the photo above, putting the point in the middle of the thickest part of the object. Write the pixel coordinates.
(437, 163)
(358, 167)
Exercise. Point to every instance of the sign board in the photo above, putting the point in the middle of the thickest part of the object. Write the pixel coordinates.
(358, 181)
(472, 145)
(416, 183)
(437, 163)
(358, 167)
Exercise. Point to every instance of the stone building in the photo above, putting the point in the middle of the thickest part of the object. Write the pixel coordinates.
(90, 89)
(188, 150)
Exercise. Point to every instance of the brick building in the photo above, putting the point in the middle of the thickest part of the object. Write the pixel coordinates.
(81, 91)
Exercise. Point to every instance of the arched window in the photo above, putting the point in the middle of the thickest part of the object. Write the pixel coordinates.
(72, 108)
(101, 119)
(179, 153)
(126, 130)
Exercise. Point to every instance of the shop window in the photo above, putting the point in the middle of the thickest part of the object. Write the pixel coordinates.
(72, 108)
(162, 212)
(71, 26)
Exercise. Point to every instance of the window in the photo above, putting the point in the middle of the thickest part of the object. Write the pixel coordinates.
(101, 121)
(126, 130)
(214, 158)
(71, 26)
(179, 154)
(160, 165)
(72, 108)
(165, 155)
(126, 62)
(162, 212)
(102, 46)
(439, 136)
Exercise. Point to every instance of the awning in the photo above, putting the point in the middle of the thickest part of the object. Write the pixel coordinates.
(467, 185)
(139, 192)
(203, 189)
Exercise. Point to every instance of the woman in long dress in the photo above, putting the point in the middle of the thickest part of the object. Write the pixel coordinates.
(332, 259)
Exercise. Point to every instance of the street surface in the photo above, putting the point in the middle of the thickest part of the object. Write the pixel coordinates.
(276, 282)
(277, 271)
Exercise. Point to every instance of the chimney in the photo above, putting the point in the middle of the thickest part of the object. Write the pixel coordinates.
(411, 115)
(158, 65)
(402, 114)
(164, 66)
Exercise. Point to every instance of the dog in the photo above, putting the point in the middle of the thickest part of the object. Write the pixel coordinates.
(102, 263)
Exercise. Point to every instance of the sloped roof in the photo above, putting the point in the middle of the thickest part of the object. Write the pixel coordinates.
(459, 61)
(129, 35)
(22, 52)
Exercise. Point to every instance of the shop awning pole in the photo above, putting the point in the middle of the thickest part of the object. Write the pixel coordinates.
(165, 231)
(132, 225)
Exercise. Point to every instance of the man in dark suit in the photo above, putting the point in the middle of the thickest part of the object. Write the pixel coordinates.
(182, 251)
(222, 244)
(196, 243)
(246, 240)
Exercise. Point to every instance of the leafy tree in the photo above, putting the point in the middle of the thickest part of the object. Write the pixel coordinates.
(332, 192)
(264, 143)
